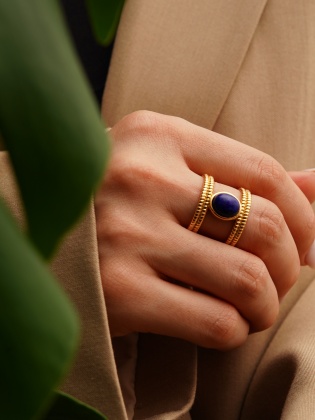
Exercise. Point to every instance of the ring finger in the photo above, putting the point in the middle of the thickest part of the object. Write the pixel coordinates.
(266, 234)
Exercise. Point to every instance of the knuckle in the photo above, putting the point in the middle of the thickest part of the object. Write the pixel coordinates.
(225, 327)
(129, 174)
(140, 123)
(151, 127)
(224, 330)
(120, 174)
(252, 277)
(271, 224)
(271, 174)
(261, 298)
(118, 231)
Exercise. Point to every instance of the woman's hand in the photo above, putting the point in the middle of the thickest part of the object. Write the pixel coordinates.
(150, 262)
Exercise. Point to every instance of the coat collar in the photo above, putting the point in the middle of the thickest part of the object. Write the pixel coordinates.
(179, 57)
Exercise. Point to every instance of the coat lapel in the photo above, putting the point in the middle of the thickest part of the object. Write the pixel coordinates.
(179, 57)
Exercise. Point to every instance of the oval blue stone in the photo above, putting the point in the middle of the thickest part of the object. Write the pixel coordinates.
(226, 205)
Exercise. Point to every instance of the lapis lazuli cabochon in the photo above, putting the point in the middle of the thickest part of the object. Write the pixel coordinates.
(226, 205)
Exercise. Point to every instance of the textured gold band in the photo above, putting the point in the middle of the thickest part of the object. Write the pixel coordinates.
(203, 204)
(240, 222)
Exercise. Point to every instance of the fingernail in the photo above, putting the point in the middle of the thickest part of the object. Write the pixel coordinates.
(309, 170)
(310, 257)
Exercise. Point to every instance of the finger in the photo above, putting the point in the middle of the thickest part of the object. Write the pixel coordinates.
(266, 234)
(168, 309)
(238, 165)
(305, 180)
(231, 274)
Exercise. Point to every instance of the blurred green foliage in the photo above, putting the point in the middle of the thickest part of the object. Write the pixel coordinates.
(52, 129)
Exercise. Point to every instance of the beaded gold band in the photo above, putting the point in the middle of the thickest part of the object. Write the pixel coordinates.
(240, 222)
(224, 206)
(203, 204)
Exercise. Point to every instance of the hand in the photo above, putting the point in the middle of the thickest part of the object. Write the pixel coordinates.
(149, 261)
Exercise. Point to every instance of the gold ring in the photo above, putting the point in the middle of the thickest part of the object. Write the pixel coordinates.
(203, 204)
(240, 222)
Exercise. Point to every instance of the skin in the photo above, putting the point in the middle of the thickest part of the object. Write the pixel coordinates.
(159, 277)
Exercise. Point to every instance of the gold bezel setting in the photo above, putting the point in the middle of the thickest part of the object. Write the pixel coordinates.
(220, 216)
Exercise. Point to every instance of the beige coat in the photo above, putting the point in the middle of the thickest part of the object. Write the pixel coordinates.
(246, 69)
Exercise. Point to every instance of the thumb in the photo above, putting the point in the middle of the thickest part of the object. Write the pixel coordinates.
(305, 180)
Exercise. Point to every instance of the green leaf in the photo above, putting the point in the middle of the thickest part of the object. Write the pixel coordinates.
(104, 16)
(48, 119)
(66, 407)
(38, 327)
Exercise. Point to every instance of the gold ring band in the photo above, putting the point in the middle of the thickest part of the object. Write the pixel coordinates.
(241, 221)
(203, 204)
(221, 210)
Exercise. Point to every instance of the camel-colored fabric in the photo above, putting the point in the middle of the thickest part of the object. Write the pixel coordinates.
(246, 69)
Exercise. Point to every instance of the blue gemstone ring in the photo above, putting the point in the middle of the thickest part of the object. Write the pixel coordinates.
(225, 206)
